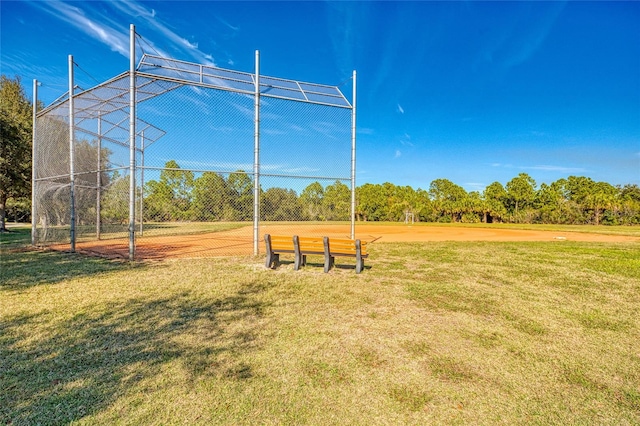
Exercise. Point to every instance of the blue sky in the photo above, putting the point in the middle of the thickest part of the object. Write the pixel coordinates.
(474, 92)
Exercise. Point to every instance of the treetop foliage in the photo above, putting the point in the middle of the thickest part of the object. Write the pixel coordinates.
(178, 195)
(15, 144)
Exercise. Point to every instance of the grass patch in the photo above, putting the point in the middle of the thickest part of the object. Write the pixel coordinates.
(433, 333)
(16, 236)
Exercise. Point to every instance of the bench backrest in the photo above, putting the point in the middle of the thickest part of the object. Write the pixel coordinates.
(309, 244)
(338, 246)
(346, 246)
(280, 243)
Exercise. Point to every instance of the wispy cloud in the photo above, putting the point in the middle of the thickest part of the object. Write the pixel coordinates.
(227, 24)
(562, 169)
(115, 39)
(365, 131)
(398, 154)
(100, 24)
(475, 186)
(406, 140)
(542, 167)
(300, 170)
(400, 109)
(520, 35)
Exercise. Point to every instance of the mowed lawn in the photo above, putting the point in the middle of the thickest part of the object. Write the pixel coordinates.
(429, 333)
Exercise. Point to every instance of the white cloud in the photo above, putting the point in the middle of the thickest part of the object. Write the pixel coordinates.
(398, 153)
(548, 168)
(103, 27)
(116, 39)
(543, 167)
(400, 109)
(475, 186)
(228, 25)
(365, 131)
(406, 140)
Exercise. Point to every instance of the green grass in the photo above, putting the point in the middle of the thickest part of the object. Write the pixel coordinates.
(430, 333)
(16, 237)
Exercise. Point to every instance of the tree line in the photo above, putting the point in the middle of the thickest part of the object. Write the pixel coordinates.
(178, 195)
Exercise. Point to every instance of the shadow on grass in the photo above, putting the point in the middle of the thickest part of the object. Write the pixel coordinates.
(80, 366)
(14, 238)
(24, 269)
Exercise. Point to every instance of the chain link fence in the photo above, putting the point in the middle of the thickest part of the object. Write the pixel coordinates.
(195, 168)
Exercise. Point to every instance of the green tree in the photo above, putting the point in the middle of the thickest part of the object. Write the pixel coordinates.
(601, 197)
(15, 144)
(181, 184)
(280, 204)
(521, 191)
(495, 197)
(115, 200)
(311, 201)
(371, 202)
(337, 201)
(448, 199)
(212, 198)
(475, 208)
(158, 201)
(241, 187)
(629, 196)
(170, 197)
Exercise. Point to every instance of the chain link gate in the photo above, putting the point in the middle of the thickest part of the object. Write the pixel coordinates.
(203, 139)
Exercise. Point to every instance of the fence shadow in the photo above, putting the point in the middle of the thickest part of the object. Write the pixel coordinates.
(88, 361)
(24, 269)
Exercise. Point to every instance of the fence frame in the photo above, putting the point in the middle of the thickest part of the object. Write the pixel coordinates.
(179, 73)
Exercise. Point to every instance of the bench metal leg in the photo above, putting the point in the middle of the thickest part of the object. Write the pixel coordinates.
(273, 260)
(299, 259)
(359, 259)
(328, 259)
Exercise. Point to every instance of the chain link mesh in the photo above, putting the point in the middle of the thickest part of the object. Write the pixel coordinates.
(194, 167)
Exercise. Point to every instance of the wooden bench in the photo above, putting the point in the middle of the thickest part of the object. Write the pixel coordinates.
(303, 246)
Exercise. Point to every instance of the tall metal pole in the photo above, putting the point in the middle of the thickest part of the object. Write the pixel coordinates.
(256, 158)
(132, 140)
(33, 164)
(353, 160)
(72, 177)
(99, 178)
(141, 178)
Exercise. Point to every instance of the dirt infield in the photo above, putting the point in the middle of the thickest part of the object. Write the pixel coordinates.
(239, 241)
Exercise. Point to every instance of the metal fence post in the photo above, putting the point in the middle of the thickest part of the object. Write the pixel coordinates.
(132, 140)
(72, 176)
(353, 160)
(256, 158)
(33, 163)
(99, 178)
(141, 180)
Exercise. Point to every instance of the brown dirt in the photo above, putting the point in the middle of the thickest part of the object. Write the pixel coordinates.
(239, 241)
